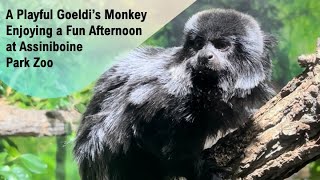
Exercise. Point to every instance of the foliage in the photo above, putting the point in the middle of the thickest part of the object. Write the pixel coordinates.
(315, 170)
(76, 101)
(17, 166)
(43, 148)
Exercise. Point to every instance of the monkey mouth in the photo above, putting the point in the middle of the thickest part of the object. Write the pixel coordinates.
(208, 66)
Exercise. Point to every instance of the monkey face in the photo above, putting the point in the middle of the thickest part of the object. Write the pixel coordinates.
(211, 54)
(229, 43)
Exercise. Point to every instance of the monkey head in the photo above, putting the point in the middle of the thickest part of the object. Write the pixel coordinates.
(231, 47)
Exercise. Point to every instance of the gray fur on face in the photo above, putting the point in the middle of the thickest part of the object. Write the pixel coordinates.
(152, 112)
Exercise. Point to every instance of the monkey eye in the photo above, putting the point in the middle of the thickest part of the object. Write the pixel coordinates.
(198, 42)
(221, 44)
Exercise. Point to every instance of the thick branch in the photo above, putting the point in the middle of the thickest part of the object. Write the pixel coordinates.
(15, 121)
(283, 136)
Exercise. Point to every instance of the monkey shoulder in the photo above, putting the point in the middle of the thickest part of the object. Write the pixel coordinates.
(141, 63)
(144, 72)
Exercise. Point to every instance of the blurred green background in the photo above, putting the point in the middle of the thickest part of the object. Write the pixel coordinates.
(296, 24)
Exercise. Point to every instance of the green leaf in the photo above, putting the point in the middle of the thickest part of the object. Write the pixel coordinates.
(2, 90)
(20, 172)
(3, 156)
(5, 171)
(12, 151)
(33, 163)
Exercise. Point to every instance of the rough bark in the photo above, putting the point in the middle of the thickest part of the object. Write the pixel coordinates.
(283, 136)
(15, 121)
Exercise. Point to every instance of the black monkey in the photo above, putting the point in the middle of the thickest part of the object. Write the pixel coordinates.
(152, 112)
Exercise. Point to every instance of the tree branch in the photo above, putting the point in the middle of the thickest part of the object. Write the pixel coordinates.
(15, 121)
(283, 136)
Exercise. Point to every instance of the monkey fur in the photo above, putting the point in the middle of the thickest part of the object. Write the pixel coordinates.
(152, 112)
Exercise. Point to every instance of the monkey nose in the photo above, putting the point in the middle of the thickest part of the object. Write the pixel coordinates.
(209, 56)
(204, 58)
